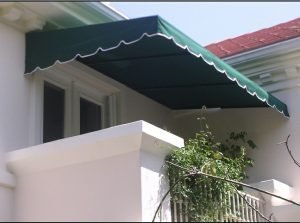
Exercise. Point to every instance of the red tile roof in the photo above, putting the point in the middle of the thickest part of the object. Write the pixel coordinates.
(258, 39)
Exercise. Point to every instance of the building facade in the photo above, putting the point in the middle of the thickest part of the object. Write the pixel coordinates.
(120, 164)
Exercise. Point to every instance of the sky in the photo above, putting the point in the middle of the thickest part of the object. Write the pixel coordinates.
(209, 22)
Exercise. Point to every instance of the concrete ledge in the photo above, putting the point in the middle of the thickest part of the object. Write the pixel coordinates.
(7, 179)
(277, 187)
(101, 144)
(286, 213)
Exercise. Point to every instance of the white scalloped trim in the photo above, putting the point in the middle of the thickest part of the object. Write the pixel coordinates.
(211, 63)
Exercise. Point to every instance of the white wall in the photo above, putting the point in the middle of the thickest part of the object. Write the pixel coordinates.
(14, 98)
(154, 182)
(14, 91)
(133, 105)
(7, 185)
(102, 190)
(6, 204)
(109, 175)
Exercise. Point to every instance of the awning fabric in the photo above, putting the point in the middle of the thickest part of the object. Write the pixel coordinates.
(154, 58)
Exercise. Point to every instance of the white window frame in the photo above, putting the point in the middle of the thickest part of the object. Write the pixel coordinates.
(81, 91)
(76, 83)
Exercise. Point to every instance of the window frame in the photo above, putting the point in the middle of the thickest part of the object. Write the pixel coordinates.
(65, 107)
(76, 83)
(82, 91)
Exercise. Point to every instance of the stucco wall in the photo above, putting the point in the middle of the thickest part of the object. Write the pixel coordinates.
(96, 191)
(14, 91)
(132, 106)
(153, 174)
(110, 175)
(6, 203)
(135, 106)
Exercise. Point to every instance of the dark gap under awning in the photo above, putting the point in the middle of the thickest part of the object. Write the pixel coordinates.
(154, 58)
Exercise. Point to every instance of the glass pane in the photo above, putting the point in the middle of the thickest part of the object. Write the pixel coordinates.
(90, 116)
(54, 109)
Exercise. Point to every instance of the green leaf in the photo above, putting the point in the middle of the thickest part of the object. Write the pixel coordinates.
(218, 155)
(203, 152)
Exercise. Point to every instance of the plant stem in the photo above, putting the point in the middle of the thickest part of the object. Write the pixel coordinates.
(253, 208)
(199, 173)
(289, 150)
(166, 194)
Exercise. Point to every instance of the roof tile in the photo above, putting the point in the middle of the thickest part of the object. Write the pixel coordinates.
(258, 39)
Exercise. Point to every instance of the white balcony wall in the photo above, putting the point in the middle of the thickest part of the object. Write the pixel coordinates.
(114, 174)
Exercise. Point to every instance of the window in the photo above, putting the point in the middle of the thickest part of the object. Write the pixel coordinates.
(90, 116)
(54, 107)
(68, 100)
(87, 117)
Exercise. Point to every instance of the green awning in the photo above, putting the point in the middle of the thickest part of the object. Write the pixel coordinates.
(154, 58)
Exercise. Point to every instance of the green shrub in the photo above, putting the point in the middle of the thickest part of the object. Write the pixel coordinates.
(208, 197)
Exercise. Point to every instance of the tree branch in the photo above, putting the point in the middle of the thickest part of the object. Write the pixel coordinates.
(196, 172)
(289, 150)
(252, 207)
(166, 194)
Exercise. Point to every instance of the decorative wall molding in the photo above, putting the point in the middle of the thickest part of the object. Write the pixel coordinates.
(7, 179)
(109, 142)
(28, 16)
(17, 16)
(271, 65)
